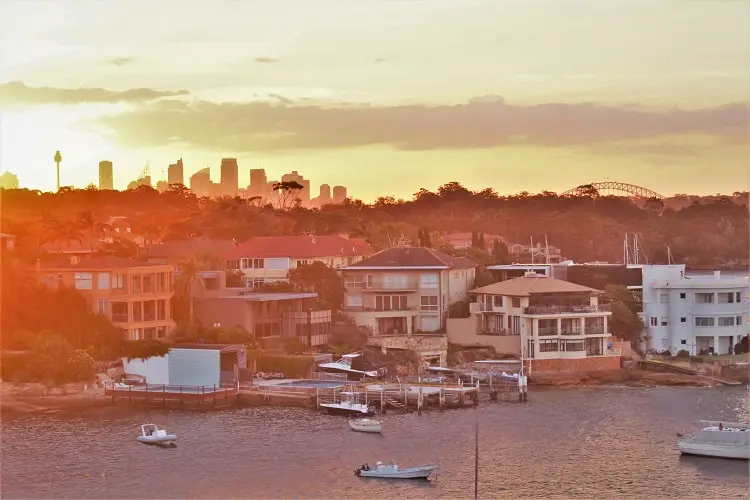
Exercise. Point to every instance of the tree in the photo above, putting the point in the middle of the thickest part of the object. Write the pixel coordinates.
(654, 205)
(625, 324)
(424, 238)
(321, 279)
(500, 253)
(286, 194)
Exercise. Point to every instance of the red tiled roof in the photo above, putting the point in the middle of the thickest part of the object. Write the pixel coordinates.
(299, 247)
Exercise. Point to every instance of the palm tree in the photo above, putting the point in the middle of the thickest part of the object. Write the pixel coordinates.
(87, 221)
(188, 275)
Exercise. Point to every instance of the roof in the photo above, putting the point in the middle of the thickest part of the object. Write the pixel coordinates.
(414, 258)
(525, 286)
(99, 263)
(299, 247)
(186, 248)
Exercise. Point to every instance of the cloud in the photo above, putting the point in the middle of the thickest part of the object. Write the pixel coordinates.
(17, 93)
(120, 61)
(265, 60)
(485, 122)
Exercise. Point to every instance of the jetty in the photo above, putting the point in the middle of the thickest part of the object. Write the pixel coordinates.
(173, 396)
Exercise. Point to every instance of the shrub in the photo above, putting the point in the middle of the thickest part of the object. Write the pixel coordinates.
(682, 353)
(290, 366)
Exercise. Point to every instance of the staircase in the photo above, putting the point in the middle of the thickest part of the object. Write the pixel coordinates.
(395, 404)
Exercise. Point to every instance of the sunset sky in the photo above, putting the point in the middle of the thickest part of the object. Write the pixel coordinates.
(383, 96)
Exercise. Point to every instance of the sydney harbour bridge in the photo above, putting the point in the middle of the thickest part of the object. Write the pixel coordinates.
(612, 188)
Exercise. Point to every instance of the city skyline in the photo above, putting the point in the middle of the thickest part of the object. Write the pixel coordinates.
(518, 96)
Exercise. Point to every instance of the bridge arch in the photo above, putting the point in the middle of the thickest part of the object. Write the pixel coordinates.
(613, 188)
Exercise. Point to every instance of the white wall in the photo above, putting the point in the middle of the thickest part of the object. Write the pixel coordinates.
(194, 367)
(155, 369)
(669, 297)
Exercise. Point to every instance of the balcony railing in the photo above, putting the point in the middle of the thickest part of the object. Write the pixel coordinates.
(375, 309)
(386, 285)
(595, 330)
(548, 331)
(561, 309)
(571, 331)
(119, 318)
(500, 332)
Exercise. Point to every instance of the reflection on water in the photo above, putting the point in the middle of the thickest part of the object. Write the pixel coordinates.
(593, 443)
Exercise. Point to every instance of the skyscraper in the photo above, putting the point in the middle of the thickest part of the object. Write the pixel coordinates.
(325, 195)
(304, 194)
(106, 179)
(339, 194)
(200, 182)
(176, 173)
(258, 184)
(229, 177)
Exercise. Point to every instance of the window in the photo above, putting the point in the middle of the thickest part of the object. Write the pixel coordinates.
(246, 263)
(683, 342)
(663, 298)
(117, 282)
(148, 283)
(497, 300)
(726, 297)
(259, 263)
(665, 322)
(704, 298)
(233, 264)
(574, 346)
(136, 284)
(354, 281)
(84, 281)
(149, 333)
(161, 332)
(654, 321)
(549, 345)
(739, 320)
(683, 319)
(137, 311)
(704, 321)
(119, 312)
(353, 301)
(395, 282)
(390, 302)
(102, 281)
(429, 303)
(137, 334)
(738, 297)
(103, 306)
(429, 280)
(515, 302)
(161, 309)
(726, 321)
(149, 310)
(161, 282)
(683, 295)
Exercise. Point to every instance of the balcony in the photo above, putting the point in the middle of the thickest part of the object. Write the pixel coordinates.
(571, 331)
(595, 330)
(383, 285)
(548, 332)
(546, 310)
(499, 332)
(375, 309)
(119, 317)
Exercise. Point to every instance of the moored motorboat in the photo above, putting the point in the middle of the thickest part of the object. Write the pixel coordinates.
(151, 434)
(349, 405)
(718, 439)
(366, 425)
(393, 471)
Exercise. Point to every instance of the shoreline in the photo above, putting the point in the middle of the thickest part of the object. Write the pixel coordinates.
(15, 405)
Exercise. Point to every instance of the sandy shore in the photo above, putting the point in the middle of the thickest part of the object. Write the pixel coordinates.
(35, 398)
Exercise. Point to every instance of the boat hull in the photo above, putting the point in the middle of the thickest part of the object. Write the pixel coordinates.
(374, 427)
(334, 410)
(169, 440)
(412, 473)
(713, 450)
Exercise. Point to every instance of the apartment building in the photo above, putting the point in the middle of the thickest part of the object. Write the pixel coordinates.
(554, 324)
(135, 296)
(402, 296)
(269, 259)
(699, 313)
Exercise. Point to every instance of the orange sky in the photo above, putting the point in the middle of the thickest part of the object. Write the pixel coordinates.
(383, 96)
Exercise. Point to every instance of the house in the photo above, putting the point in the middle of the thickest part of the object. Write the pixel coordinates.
(466, 240)
(175, 251)
(268, 259)
(401, 292)
(535, 253)
(134, 295)
(554, 324)
(266, 315)
(696, 312)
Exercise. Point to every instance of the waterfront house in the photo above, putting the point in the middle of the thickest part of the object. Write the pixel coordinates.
(701, 313)
(269, 316)
(134, 295)
(402, 296)
(554, 324)
(268, 259)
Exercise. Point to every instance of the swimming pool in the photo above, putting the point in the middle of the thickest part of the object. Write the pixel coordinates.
(314, 384)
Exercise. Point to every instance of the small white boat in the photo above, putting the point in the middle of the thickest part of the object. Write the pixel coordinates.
(366, 425)
(717, 439)
(348, 405)
(151, 434)
(392, 471)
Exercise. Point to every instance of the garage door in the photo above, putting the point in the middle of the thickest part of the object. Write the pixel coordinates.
(430, 323)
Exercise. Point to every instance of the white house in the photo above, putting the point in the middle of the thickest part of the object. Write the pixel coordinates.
(692, 312)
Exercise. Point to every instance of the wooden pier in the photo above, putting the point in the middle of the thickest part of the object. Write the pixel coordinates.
(174, 396)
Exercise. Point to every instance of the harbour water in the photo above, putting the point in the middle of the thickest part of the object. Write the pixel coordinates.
(584, 443)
